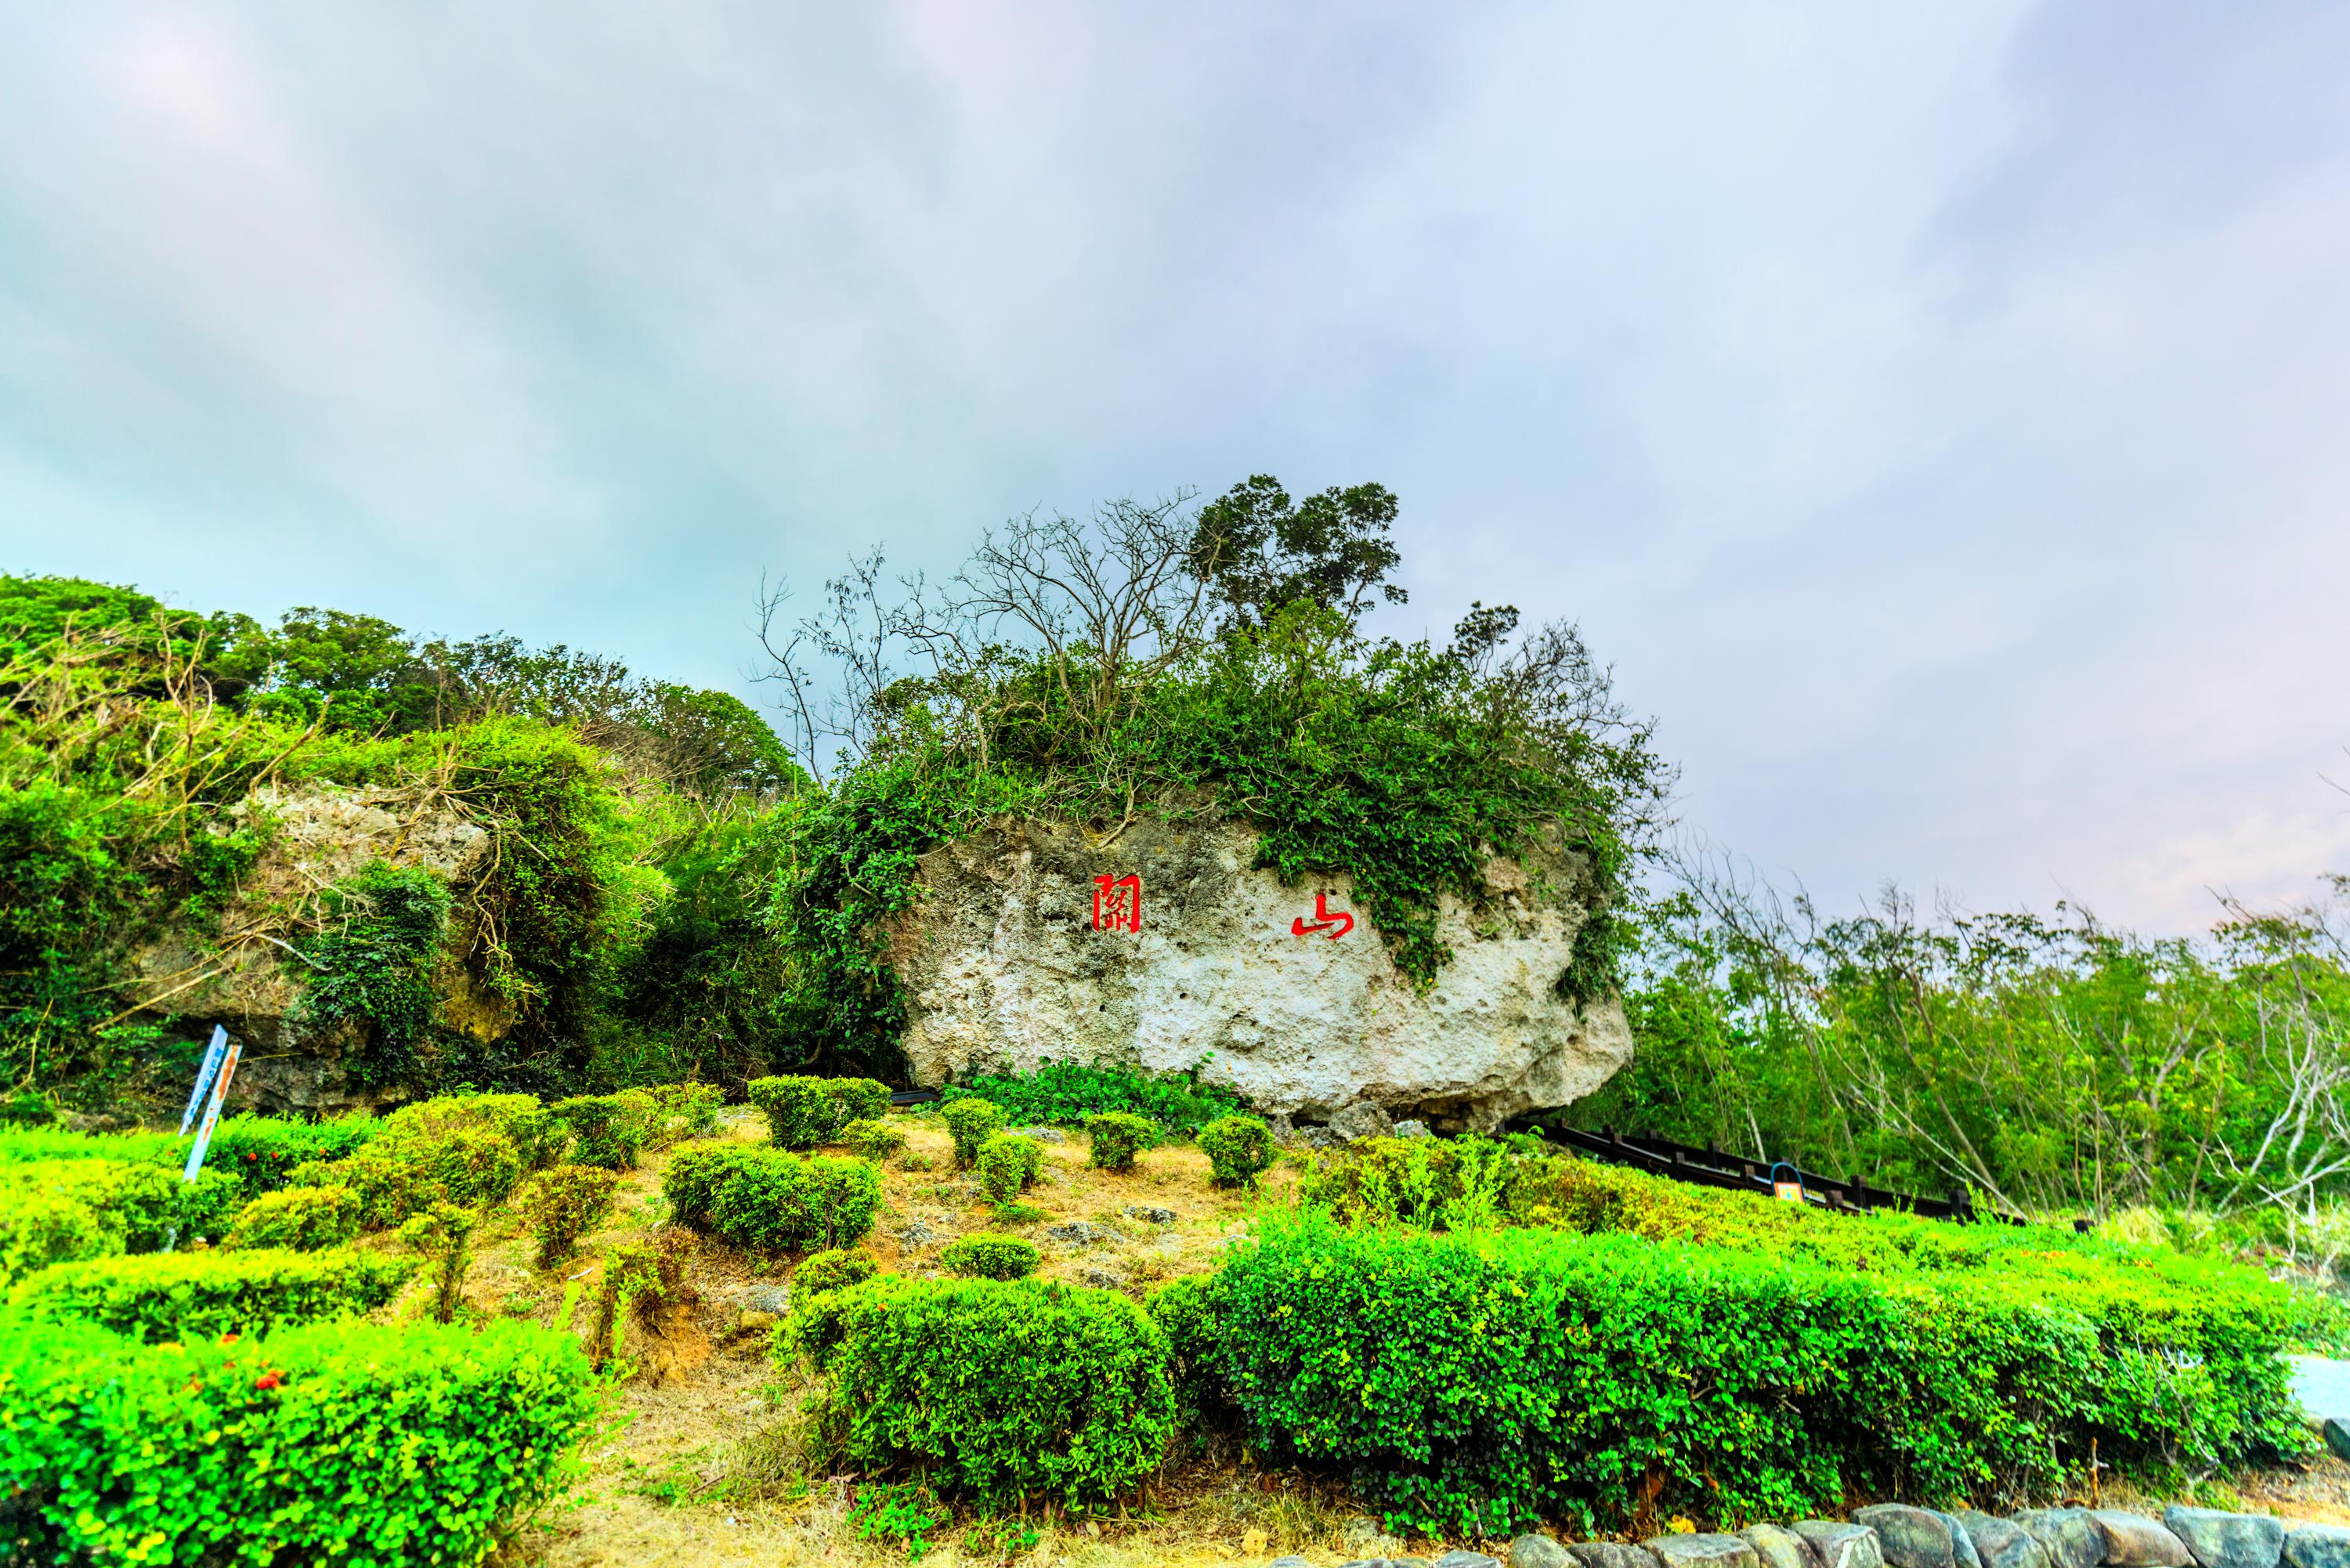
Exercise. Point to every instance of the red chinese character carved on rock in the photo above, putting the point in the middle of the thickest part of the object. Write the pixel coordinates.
(1118, 902)
(1326, 921)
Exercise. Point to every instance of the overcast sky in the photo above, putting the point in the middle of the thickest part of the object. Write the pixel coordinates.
(1936, 413)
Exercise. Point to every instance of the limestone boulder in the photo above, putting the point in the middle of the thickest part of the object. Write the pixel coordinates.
(1256, 981)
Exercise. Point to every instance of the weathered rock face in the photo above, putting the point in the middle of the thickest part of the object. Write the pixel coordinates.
(1005, 969)
(233, 973)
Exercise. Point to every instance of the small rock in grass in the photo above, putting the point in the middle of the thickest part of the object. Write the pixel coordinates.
(772, 1299)
(1911, 1537)
(1149, 1215)
(1777, 1548)
(1703, 1550)
(1049, 1135)
(753, 1321)
(916, 1234)
(2134, 1540)
(2004, 1544)
(1610, 1555)
(1412, 1129)
(1075, 1233)
(2217, 1539)
(1289, 1562)
(2069, 1536)
(2317, 1546)
(2337, 1437)
(1465, 1560)
(1537, 1551)
(1839, 1546)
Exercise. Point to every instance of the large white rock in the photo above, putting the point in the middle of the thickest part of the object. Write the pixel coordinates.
(1005, 969)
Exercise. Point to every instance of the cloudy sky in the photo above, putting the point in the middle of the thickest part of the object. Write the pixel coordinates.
(1936, 413)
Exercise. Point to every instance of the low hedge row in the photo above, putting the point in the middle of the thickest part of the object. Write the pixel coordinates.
(1066, 1093)
(1477, 1383)
(769, 1201)
(993, 1389)
(53, 1211)
(200, 1296)
(342, 1442)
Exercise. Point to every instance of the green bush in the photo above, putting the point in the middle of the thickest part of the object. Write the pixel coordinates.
(296, 1219)
(202, 1295)
(606, 1130)
(682, 1111)
(539, 1136)
(640, 1281)
(971, 1123)
(1476, 1383)
(564, 1203)
(444, 1233)
(1116, 1137)
(877, 1140)
(1009, 1165)
(471, 1166)
(1186, 1311)
(985, 1257)
(805, 1113)
(1240, 1148)
(833, 1270)
(1063, 1093)
(1435, 1183)
(259, 1150)
(993, 1389)
(341, 1442)
(769, 1201)
(55, 1210)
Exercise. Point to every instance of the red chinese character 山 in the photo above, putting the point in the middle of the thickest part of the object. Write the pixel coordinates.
(1117, 903)
(1326, 921)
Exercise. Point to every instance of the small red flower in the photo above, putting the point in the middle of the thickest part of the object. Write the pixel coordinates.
(229, 1338)
(268, 1380)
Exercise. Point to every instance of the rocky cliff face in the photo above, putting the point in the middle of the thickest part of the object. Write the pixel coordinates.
(239, 973)
(1005, 968)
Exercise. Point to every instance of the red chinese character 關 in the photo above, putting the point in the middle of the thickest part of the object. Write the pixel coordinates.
(1118, 902)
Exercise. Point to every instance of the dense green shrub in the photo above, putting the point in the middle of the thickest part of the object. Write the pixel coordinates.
(340, 1442)
(681, 1111)
(52, 1211)
(1239, 1148)
(832, 1270)
(1009, 1165)
(444, 1233)
(1116, 1137)
(296, 1219)
(260, 1150)
(971, 1123)
(641, 1280)
(993, 1389)
(876, 1139)
(606, 1130)
(805, 1113)
(395, 1177)
(1452, 1183)
(770, 1201)
(1064, 1094)
(1475, 1383)
(986, 1257)
(540, 1136)
(562, 1204)
(199, 1296)
(1187, 1311)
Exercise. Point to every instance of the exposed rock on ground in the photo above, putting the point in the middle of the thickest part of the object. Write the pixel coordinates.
(1005, 969)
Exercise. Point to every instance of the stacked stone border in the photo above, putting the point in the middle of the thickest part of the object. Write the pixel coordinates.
(1896, 1535)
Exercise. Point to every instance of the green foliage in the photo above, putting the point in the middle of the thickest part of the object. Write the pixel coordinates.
(562, 1204)
(1477, 1383)
(1261, 551)
(1239, 1149)
(444, 1234)
(708, 976)
(985, 1257)
(805, 1113)
(606, 1130)
(296, 1219)
(1009, 1165)
(371, 965)
(1187, 1310)
(61, 1208)
(681, 1111)
(1449, 1183)
(876, 1139)
(993, 1388)
(539, 1137)
(1116, 1137)
(2050, 1066)
(260, 1151)
(971, 1123)
(200, 1296)
(833, 1270)
(340, 1443)
(639, 1282)
(768, 1200)
(900, 1514)
(407, 1172)
(1063, 1093)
